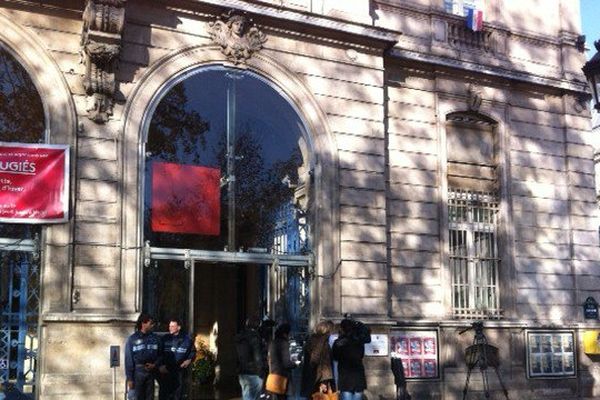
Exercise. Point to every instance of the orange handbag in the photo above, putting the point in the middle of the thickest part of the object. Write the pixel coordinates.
(276, 384)
(328, 395)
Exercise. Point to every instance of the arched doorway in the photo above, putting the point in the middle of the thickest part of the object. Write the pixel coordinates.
(227, 176)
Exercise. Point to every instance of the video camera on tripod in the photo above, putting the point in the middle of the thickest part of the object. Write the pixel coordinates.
(483, 355)
(480, 353)
(476, 326)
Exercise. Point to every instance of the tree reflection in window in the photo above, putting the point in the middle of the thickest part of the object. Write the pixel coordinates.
(21, 120)
(190, 127)
(21, 110)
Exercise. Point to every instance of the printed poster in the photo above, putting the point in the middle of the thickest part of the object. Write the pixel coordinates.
(535, 363)
(551, 354)
(430, 368)
(34, 183)
(568, 363)
(186, 199)
(418, 351)
(401, 346)
(546, 344)
(429, 347)
(535, 344)
(416, 348)
(416, 368)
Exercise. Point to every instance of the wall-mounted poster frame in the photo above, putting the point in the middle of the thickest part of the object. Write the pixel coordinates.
(551, 354)
(419, 351)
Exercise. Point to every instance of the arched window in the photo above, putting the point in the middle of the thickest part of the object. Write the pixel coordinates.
(21, 120)
(473, 210)
(227, 166)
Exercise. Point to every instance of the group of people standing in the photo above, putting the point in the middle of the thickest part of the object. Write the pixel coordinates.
(318, 355)
(149, 357)
(348, 350)
(262, 349)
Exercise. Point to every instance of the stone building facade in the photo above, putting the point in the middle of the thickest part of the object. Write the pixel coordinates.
(445, 176)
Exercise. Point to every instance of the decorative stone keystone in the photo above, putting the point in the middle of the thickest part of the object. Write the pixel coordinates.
(473, 98)
(237, 35)
(103, 22)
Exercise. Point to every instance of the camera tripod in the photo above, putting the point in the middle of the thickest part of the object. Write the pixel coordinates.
(483, 355)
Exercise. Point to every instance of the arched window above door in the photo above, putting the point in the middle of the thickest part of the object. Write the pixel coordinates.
(22, 120)
(227, 165)
(21, 108)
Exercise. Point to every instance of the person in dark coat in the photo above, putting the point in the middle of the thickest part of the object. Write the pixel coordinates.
(399, 379)
(317, 368)
(280, 362)
(266, 330)
(348, 350)
(178, 354)
(251, 357)
(143, 357)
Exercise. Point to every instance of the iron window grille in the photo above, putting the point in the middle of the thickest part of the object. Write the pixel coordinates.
(473, 253)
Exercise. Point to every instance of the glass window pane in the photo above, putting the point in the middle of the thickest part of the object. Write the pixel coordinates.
(21, 120)
(235, 126)
(166, 291)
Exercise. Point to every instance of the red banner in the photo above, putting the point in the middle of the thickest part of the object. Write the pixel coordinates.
(186, 199)
(34, 183)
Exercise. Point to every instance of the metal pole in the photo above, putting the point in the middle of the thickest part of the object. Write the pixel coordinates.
(23, 266)
(191, 298)
(187, 385)
(114, 383)
(231, 89)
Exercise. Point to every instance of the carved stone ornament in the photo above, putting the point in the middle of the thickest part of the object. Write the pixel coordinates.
(237, 35)
(580, 102)
(103, 22)
(473, 98)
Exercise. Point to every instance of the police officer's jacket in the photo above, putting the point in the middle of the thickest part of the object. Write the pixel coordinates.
(141, 348)
(177, 349)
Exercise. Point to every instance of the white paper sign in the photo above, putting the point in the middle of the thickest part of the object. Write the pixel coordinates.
(379, 345)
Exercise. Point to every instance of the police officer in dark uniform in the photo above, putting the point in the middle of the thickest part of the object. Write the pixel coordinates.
(143, 351)
(178, 354)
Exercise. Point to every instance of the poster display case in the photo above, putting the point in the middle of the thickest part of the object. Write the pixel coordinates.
(419, 352)
(551, 354)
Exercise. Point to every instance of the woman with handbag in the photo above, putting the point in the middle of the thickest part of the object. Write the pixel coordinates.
(349, 350)
(280, 364)
(317, 369)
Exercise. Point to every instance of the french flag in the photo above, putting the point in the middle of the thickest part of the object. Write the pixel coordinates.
(475, 19)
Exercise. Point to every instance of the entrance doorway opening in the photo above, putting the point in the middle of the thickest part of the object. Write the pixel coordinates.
(214, 293)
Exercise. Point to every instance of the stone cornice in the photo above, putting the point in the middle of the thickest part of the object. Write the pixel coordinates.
(562, 37)
(502, 73)
(386, 36)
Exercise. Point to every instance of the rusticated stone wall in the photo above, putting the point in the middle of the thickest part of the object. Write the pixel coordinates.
(375, 80)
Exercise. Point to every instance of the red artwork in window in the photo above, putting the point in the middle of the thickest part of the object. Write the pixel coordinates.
(186, 199)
